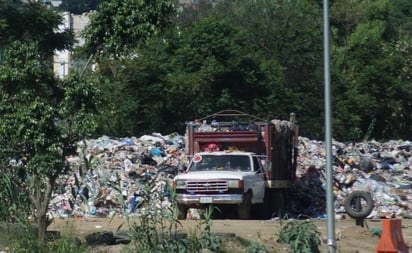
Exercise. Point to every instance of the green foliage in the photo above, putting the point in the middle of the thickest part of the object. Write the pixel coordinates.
(119, 26)
(79, 6)
(158, 227)
(29, 244)
(42, 117)
(66, 245)
(217, 62)
(21, 238)
(256, 247)
(25, 241)
(302, 236)
(263, 57)
(287, 40)
(33, 22)
(13, 194)
(367, 62)
(207, 239)
(151, 234)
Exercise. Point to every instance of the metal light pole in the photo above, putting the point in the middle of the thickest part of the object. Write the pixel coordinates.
(331, 242)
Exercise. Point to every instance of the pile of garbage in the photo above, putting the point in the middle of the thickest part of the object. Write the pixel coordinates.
(382, 169)
(110, 174)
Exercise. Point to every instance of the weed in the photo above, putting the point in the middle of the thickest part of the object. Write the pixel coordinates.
(158, 229)
(207, 239)
(66, 245)
(256, 247)
(14, 194)
(302, 236)
(25, 241)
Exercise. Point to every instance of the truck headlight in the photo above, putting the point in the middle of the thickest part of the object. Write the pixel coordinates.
(235, 183)
(180, 184)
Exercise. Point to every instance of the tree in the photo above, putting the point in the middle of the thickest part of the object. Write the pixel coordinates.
(227, 59)
(287, 39)
(35, 22)
(119, 27)
(42, 117)
(372, 58)
(263, 57)
(184, 73)
(115, 35)
(79, 6)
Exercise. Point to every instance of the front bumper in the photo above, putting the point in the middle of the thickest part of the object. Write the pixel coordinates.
(190, 199)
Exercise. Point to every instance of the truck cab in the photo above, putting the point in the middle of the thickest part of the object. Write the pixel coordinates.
(221, 178)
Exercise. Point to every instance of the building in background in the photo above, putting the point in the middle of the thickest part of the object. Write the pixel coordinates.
(62, 60)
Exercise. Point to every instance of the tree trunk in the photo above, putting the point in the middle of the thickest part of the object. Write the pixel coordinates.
(41, 198)
(42, 228)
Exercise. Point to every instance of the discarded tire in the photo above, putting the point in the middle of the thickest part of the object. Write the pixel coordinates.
(359, 204)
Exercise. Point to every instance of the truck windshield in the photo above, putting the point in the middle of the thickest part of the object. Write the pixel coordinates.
(223, 162)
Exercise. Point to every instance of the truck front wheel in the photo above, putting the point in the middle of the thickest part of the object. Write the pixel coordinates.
(181, 212)
(245, 207)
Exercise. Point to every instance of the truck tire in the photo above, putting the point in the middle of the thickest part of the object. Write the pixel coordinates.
(244, 209)
(181, 212)
(359, 204)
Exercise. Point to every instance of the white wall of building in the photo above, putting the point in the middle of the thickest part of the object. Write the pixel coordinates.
(62, 60)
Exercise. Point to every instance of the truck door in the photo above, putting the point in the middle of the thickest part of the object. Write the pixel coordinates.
(257, 182)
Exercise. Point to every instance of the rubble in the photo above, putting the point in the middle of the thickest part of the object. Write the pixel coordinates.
(110, 175)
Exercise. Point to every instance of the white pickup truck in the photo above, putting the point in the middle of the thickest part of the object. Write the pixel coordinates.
(221, 178)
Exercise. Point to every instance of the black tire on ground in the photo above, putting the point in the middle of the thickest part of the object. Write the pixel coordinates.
(244, 209)
(359, 204)
(181, 212)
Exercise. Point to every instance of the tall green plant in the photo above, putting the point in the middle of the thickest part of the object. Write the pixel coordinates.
(156, 229)
(158, 226)
(14, 194)
(302, 236)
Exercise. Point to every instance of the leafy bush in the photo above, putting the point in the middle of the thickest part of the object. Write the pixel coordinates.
(22, 238)
(255, 247)
(14, 194)
(302, 236)
(158, 226)
(67, 245)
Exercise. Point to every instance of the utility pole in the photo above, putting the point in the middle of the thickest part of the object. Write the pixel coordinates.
(331, 242)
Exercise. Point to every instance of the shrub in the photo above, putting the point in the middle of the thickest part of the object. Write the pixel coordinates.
(24, 239)
(302, 236)
(158, 226)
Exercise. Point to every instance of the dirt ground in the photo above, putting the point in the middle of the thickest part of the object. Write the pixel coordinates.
(350, 237)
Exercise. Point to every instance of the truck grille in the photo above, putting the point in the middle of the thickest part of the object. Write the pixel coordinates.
(207, 186)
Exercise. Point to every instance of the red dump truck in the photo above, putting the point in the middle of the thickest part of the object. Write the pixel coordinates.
(238, 160)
